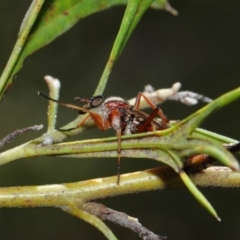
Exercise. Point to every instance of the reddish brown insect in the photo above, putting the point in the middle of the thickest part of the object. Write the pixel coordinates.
(116, 113)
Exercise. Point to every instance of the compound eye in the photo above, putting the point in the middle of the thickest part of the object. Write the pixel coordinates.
(96, 101)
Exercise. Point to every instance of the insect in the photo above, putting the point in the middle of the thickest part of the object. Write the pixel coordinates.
(117, 113)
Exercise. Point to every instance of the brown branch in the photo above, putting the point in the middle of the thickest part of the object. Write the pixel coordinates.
(10, 137)
(121, 219)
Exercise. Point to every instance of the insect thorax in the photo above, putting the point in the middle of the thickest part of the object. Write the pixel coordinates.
(112, 111)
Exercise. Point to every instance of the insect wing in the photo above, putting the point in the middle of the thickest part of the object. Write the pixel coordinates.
(146, 122)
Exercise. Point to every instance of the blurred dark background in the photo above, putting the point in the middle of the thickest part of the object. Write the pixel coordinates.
(199, 48)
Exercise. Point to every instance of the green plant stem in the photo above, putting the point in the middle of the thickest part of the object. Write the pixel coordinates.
(134, 11)
(168, 146)
(194, 120)
(205, 134)
(90, 218)
(24, 31)
(59, 195)
(54, 88)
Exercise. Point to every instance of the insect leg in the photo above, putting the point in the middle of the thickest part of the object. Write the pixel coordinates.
(148, 121)
(119, 154)
(95, 117)
(73, 128)
(153, 106)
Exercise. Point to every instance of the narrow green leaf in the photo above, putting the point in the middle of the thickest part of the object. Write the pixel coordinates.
(163, 4)
(134, 11)
(55, 18)
(194, 120)
(217, 151)
(7, 76)
(205, 134)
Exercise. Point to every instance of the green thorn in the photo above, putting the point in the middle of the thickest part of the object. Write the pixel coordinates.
(198, 195)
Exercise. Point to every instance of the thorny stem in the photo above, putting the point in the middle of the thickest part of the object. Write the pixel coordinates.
(74, 197)
(82, 192)
(60, 195)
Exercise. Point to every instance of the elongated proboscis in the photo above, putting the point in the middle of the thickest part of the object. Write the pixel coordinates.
(64, 104)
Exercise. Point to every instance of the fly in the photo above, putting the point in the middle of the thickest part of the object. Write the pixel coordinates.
(117, 113)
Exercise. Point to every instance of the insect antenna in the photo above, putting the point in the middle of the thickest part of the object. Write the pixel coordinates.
(64, 104)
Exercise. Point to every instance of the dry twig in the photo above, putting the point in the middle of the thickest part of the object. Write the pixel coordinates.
(10, 137)
(121, 219)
